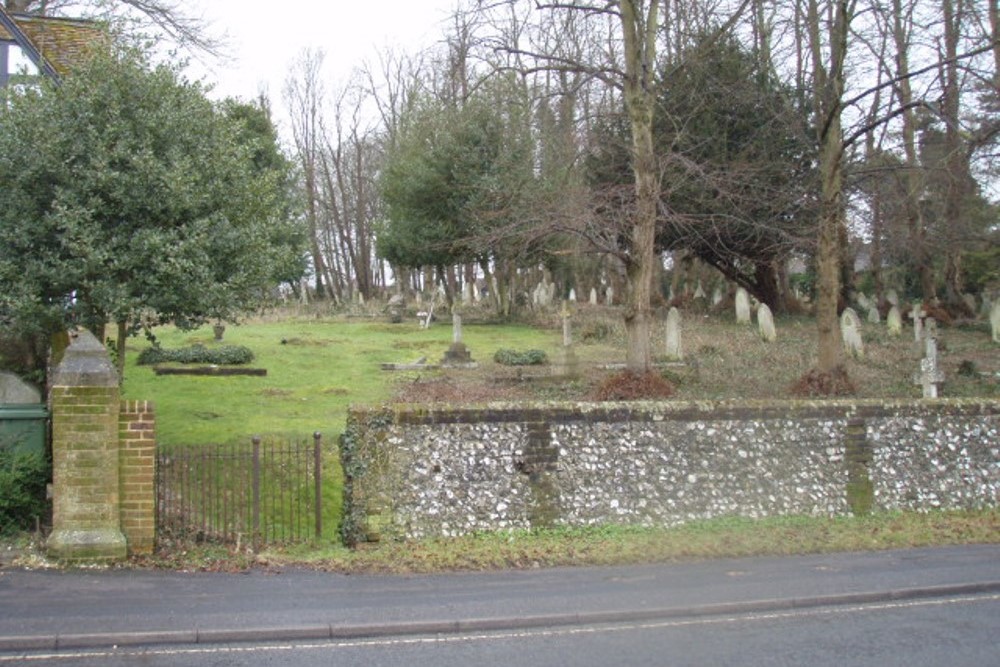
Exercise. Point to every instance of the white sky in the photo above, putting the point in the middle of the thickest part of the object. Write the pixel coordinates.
(266, 40)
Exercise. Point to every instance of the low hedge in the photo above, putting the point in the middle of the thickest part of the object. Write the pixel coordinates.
(506, 357)
(224, 355)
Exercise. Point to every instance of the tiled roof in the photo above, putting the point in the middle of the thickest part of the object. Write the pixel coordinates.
(61, 41)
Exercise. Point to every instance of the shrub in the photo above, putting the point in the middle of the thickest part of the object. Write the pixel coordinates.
(514, 358)
(224, 355)
(23, 476)
(816, 384)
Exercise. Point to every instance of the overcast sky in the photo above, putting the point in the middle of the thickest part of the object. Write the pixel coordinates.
(264, 42)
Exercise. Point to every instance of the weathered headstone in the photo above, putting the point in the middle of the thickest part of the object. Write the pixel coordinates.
(567, 364)
(873, 315)
(674, 350)
(765, 323)
(593, 296)
(699, 293)
(995, 321)
(862, 300)
(609, 296)
(894, 321)
(458, 354)
(14, 390)
(970, 301)
(716, 295)
(572, 294)
(918, 314)
(892, 297)
(742, 306)
(850, 332)
(930, 376)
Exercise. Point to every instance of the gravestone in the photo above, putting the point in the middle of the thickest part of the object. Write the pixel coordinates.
(674, 350)
(970, 301)
(572, 294)
(395, 307)
(873, 315)
(593, 296)
(457, 354)
(716, 295)
(742, 306)
(894, 321)
(918, 314)
(892, 297)
(567, 364)
(699, 293)
(995, 321)
(609, 296)
(765, 323)
(850, 332)
(862, 300)
(930, 376)
(467, 293)
(15, 391)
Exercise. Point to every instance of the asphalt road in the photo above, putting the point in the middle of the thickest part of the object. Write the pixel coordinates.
(917, 607)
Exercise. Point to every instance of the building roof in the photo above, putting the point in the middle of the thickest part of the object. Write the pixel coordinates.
(61, 42)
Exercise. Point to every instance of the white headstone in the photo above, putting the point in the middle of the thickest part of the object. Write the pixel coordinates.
(572, 294)
(593, 296)
(873, 315)
(862, 300)
(765, 323)
(917, 314)
(674, 351)
(995, 321)
(716, 295)
(699, 293)
(850, 331)
(970, 301)
(742, 306)
(894, 321)
(610, 296)
(892, 297)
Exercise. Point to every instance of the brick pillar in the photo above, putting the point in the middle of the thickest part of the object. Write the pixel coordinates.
(85, 405)
(137, 440)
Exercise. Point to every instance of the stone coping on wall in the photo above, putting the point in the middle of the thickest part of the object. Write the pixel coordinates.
(655, 411)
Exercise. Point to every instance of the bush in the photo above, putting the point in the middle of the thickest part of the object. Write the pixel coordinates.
(224, 355)
(23, 476)
(630, 386)
(506, 357)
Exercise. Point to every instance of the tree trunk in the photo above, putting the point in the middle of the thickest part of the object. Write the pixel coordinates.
(640, 27)
(829, 90)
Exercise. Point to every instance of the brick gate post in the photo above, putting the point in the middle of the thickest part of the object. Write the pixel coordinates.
(85, 405)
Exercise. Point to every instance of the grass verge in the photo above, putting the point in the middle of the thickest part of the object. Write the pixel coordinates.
(613, 545)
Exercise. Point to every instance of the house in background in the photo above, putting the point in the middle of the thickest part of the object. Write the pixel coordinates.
(31, 45)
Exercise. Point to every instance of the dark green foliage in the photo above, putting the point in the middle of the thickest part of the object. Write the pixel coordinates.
(130, 197)
(507, 357)
(224, 355)
(23, 477)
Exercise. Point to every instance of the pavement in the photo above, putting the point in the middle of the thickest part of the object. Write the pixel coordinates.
(57, 610)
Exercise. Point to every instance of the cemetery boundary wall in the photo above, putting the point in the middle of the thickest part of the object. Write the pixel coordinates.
(416, 471)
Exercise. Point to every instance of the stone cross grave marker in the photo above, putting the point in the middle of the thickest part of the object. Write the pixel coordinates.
(930, 376)
(674, 350)
(742, 306)
(850, 332)
(765, 323)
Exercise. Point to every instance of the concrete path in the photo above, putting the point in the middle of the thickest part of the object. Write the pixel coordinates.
(54, 610)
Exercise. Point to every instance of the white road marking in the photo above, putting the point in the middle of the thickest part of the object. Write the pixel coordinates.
(493, 636)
